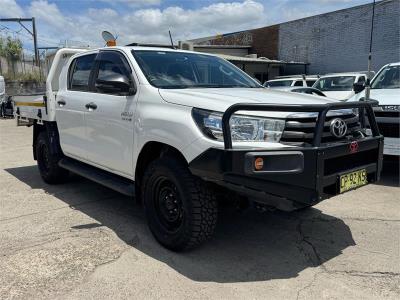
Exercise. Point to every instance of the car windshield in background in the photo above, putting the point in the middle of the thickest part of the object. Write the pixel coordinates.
(336, 83)
(278, 83)
(310, 83)
(388, 78)
(178, 70)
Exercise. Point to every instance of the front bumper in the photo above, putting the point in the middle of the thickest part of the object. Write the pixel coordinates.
(291, 178)
(296, 177)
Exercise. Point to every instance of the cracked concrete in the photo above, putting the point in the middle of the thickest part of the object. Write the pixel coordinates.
(81, 240)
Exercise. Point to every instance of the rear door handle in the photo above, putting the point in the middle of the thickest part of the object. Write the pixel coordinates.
(91, 106)
(61, 103)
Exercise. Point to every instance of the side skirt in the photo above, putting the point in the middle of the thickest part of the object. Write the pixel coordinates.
(112, 181)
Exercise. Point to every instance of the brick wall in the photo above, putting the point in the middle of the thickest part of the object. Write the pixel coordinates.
(263, 41)
(266, 41)
(339, 41)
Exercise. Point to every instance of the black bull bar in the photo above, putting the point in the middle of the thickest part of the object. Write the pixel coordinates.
(313, 175)
(322, 109)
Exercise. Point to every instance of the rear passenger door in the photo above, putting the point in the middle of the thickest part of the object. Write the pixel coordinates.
(70, 107)
(109, 127)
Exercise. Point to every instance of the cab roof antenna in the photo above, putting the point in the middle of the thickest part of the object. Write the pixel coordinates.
(170, 38)
(368, 82)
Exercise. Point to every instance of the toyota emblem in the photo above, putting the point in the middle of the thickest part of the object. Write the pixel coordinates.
(338, 128)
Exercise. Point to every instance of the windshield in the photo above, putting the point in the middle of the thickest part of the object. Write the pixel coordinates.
(177, 70)
(278, 83)
(388, 78)
(336, 83)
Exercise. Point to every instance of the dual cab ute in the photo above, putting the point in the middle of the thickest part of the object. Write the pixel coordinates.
(176, 128)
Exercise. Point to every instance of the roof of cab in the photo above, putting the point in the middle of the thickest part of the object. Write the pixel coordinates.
(148, 48)
(393, 64)
(343, 74)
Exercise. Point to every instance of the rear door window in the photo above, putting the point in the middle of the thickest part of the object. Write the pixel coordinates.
(79, 73)
(298, 83)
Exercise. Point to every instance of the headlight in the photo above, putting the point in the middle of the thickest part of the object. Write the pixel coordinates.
(243, 128)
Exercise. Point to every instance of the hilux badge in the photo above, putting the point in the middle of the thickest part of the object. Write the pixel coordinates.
(338, 128)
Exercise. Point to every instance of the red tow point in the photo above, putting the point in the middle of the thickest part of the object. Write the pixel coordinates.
(353, 147)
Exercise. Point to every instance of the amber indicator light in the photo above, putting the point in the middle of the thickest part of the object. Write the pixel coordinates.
(258, 163)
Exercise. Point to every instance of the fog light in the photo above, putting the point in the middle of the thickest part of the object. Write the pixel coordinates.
(258, 163)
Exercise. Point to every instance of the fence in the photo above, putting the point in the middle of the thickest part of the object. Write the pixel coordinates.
(24, 69)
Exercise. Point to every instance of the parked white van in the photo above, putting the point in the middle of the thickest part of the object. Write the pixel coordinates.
(339, 86)
(2, 96)
(2, 89)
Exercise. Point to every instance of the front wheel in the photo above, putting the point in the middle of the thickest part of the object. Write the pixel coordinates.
(180, 209)
(47, 162)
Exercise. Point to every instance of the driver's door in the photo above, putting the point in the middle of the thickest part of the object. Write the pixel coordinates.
(109, 123)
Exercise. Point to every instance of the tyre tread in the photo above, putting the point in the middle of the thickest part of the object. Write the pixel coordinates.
(204, 205)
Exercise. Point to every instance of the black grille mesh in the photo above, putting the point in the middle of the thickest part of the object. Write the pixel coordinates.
(300, 131)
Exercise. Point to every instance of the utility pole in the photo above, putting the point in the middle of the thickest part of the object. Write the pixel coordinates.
(33, 33)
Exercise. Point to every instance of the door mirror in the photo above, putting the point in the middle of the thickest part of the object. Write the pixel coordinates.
(115, 84)
(358, 87)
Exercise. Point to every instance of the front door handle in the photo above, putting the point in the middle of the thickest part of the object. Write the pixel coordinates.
(91, 106)
(61, 103)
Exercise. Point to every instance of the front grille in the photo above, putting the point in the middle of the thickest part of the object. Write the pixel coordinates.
(387, 114)
(300, 131)
(389, 130)
(388, 122)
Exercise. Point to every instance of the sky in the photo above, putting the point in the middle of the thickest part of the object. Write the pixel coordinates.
(148, 21)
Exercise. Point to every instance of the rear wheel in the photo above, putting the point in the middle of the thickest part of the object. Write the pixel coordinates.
(48, 162)
(180, 209)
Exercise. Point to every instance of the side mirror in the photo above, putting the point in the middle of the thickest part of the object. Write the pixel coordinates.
(115, 84)
(358, 87)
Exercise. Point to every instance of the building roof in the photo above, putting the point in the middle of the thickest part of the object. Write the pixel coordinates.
(222, 46)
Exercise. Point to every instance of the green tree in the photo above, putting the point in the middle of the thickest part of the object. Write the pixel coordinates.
(2, 46)
(11, 48)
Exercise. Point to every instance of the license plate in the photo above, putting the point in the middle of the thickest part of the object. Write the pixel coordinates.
(352, 180)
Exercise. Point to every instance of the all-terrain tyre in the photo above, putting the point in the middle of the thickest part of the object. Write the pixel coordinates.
(47, 162)
(181, 210)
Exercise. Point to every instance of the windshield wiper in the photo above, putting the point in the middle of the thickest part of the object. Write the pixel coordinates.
(199, 86)
(174, 87)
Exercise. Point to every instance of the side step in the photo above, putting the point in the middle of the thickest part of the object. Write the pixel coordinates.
(112, 181)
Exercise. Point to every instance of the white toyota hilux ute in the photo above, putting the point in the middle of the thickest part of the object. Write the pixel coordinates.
(385, 88)
(177, 128)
